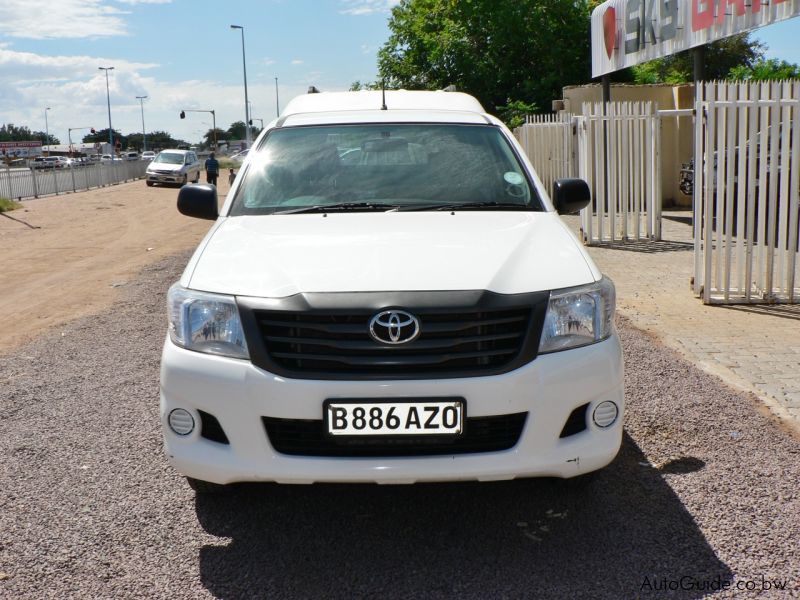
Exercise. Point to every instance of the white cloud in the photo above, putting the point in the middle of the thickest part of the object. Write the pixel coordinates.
(144, 1)
(60, 19)
(268, 61)
(367, 7)
(75, 91)
(297, 61)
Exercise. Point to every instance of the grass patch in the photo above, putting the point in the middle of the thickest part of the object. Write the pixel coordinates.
(8, 205)
(227, 163)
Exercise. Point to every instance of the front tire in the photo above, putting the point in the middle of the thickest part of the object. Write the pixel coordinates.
(149, 184)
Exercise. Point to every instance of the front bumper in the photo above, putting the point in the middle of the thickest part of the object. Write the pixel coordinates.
(239, 394)
(166, 177)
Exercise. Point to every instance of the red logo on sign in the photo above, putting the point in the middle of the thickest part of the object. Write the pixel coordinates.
(610, 29)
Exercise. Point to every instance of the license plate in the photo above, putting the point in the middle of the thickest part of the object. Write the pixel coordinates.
(394, 418)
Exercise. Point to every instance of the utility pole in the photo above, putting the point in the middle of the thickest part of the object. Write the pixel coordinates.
(277, 104)
(246, 103)
(144, 137)
(108, 99)
(47, 129)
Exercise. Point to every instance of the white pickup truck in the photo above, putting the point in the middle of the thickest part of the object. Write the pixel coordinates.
(389, 295)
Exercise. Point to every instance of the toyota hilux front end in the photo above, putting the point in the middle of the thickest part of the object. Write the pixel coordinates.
(389, 296)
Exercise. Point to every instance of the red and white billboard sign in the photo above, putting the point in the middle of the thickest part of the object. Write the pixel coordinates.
(629, 32)
(20, 149)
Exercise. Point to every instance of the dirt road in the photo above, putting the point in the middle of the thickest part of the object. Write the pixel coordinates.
(703, 496)
(67, 256)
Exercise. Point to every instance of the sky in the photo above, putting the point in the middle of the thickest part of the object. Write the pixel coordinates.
(182, 54)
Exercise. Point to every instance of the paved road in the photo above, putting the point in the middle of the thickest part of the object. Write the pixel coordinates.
(705, 488)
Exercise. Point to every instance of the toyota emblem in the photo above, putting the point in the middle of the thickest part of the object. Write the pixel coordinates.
(394, 327)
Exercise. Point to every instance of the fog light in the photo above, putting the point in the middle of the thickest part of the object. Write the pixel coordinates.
(605, 414)
(181, 421)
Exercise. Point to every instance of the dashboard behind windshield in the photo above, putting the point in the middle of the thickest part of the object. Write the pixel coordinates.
(386, 165)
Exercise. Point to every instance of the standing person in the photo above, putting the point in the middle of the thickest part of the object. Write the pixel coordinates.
(231, 177)
(212, 169)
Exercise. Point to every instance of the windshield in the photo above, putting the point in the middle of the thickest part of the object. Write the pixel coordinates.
(382, 167)
(170, 158)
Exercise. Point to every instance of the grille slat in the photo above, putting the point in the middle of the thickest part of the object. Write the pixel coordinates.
(371, 346)
(387, 361)
(358, 327)
(298, 437)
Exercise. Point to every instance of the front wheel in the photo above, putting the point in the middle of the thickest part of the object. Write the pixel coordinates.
(149, 184)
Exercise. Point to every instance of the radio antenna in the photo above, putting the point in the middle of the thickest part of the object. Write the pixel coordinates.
(383, 94)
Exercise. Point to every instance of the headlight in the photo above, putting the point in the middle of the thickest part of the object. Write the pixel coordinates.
(205, 323)
(578, 316)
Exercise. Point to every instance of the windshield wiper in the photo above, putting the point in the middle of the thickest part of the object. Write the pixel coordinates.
(340, 207)
(493, 205)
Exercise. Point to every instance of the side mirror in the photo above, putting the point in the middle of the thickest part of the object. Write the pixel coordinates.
(570, 196)
(198, 200)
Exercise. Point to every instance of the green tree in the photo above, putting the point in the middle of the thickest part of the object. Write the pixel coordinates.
(502, 51)
(237, 131)
(12, 133)
(160, 140)
(357, 85)
(208, 137)
(766, 70)
(101, 135)
(41, 135)
(721, 57)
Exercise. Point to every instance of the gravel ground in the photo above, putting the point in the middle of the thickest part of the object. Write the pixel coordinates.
(705, 488)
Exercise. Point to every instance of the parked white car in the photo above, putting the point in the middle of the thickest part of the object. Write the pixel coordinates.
(148, 155)
(174, 167)
(50, 162)
(418, 312)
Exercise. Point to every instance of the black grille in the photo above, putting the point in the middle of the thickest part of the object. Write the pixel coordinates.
(308, 438)
(493, 336)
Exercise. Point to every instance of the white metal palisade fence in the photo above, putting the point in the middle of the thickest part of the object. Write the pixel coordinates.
(619, 145)
(746, 192)
(547, 140)
(624, 135)
(32, 183)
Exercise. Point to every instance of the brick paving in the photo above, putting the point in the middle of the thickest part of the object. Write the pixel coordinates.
(754, 348)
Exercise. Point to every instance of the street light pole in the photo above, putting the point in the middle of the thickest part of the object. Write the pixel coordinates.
(47, 129)
(144, 137)
(246, 105)
(108, 98)
(277, 104)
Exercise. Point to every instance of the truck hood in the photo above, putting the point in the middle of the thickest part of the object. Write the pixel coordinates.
(281, 255)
